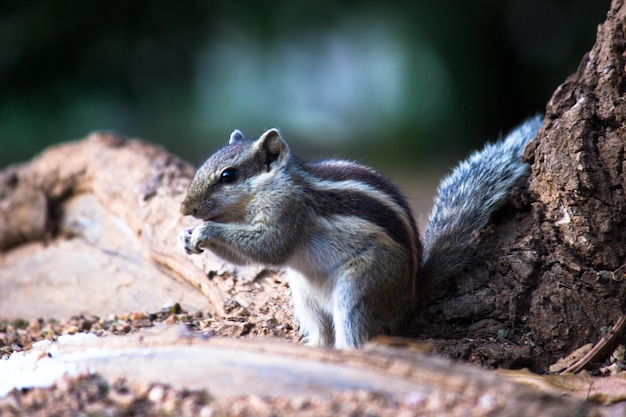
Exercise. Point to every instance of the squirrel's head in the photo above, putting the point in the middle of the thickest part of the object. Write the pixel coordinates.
(225, 183)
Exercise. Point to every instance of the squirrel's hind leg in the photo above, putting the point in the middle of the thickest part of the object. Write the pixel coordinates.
(351, 325)
(372, 296)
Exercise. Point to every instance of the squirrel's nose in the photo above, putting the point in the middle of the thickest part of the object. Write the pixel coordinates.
(185, 210)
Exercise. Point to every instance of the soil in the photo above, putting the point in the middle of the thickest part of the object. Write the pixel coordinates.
(94, 396)
(256, 307)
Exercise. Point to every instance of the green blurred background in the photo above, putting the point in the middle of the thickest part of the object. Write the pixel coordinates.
(396, 84)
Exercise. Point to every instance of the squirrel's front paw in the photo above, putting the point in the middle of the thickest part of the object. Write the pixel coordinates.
(189, 245)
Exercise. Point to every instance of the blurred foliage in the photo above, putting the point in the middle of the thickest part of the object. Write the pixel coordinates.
(409, 82)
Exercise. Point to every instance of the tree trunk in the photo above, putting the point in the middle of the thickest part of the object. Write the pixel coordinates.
(548, 275)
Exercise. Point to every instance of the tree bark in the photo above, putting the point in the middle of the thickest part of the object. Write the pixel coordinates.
(548, 276)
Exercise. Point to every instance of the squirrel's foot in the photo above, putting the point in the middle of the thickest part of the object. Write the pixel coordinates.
(188, 243)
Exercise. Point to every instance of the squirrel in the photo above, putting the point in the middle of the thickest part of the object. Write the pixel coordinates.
(344, 232)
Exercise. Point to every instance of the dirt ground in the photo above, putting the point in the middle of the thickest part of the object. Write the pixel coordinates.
(258, 307)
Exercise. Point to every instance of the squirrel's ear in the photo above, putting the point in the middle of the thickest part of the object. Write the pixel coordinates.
(236, 136)
(273, 148)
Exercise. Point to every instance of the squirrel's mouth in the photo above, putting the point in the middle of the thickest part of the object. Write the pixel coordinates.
(219, 218)
(215, 219)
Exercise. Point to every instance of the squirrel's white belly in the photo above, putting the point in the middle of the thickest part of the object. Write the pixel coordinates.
(330, 243)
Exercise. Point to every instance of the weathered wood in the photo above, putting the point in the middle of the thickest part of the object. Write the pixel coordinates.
(91, 226)
(229, 368)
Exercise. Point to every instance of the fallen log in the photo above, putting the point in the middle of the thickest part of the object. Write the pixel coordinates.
(408, 379)
(91, 226)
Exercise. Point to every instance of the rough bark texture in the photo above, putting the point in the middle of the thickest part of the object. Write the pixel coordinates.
(547, 276)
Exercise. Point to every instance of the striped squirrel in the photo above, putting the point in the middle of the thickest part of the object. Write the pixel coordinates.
(345, 233)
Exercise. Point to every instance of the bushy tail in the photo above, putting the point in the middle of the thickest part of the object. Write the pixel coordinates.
(468, 197)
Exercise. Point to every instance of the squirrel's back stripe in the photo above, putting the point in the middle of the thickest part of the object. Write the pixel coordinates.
(337, 170)
(350, 203)
(349, 189)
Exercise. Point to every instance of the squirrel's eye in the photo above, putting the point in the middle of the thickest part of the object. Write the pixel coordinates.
(229, 175)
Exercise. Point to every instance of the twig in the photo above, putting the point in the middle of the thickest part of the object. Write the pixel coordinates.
(597, 350)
